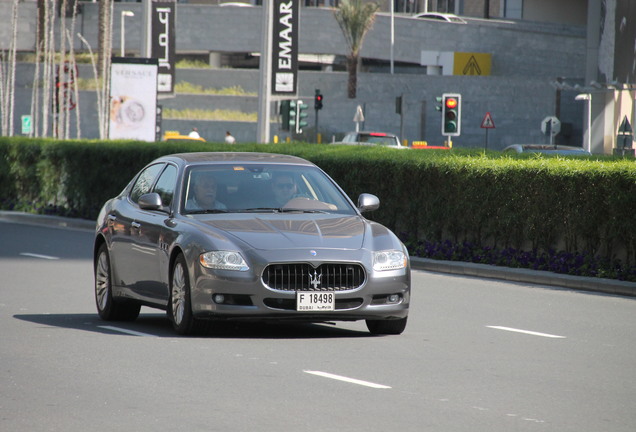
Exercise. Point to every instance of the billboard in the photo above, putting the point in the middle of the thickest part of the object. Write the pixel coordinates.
(162, 46)
(133, 98)
(285, 48)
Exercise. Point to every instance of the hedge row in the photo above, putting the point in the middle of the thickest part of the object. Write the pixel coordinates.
(538, 203)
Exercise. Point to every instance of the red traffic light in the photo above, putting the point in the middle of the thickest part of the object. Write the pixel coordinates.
(318, 100)
(451, 103)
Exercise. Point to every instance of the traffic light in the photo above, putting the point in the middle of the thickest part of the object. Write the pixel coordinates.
(301, 113)
(438, 103)
(318, 100)
(451, 114)
(293, 115)
(284, 113)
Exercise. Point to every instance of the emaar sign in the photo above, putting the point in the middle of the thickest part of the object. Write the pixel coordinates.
(285, 47)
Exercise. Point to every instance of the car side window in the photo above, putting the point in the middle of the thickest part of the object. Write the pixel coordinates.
(144, 182)
(166, 185)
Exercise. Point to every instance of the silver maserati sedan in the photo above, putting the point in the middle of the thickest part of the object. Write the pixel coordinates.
(247, 236)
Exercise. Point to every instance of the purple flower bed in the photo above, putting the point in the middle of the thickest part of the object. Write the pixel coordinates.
(579, 264)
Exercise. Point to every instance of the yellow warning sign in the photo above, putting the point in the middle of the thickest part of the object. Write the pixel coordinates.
(471, 63)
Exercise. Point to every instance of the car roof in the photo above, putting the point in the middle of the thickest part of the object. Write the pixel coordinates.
(441, 16)
(234, 157)
(547, 148)
(373, 133)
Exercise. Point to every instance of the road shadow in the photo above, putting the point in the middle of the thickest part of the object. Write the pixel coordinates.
(157, 325)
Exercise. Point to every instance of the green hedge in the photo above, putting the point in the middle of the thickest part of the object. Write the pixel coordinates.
(532, 203)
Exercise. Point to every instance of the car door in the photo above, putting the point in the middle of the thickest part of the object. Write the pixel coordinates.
(153, 234)
(130, 254)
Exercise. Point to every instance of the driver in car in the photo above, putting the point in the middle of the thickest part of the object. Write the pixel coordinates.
(284, 189)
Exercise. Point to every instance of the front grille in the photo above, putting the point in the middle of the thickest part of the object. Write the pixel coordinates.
(304, 277)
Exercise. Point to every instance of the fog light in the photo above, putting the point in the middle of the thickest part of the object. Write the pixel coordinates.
(219, 298)
(393, 298)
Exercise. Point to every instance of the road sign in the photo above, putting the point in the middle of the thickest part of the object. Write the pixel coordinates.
(358, 117)
(551, 126)
(26, 124)
(487, 122)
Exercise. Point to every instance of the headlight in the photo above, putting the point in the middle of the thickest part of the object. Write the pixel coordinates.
(388, 260)
(223, 260)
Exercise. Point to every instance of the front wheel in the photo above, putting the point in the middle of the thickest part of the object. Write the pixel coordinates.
(387, 327)
(107, 307)
(180, 304)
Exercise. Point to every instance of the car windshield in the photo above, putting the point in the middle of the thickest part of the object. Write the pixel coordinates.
(260, 188)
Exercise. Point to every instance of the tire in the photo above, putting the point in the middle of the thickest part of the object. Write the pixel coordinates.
(108, 308)
(387, 327)
(180, 303)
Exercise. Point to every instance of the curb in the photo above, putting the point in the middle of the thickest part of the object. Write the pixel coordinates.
(599, 285)
(53, 221)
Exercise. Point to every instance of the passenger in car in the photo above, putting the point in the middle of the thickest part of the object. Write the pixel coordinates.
(203, 195)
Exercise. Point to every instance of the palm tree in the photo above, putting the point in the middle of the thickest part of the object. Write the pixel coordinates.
(355, 19)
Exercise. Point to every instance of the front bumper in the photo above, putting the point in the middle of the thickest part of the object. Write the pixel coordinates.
(383, 295)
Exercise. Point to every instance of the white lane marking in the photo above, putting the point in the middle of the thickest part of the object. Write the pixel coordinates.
(346, 379)
(32, 255)
(527, 332)
(130, 332)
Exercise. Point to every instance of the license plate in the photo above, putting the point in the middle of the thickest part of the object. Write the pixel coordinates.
(315, 301)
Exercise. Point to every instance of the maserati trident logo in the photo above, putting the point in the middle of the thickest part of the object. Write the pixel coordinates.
(314, 279)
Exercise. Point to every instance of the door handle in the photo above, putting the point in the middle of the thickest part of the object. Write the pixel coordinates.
(136, 225)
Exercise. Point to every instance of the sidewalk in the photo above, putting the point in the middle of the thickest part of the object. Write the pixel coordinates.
(600, 285)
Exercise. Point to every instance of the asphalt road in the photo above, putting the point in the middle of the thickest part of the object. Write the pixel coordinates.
(477, 355)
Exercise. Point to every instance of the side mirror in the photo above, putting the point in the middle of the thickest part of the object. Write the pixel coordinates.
(368, 202)
(150, 201)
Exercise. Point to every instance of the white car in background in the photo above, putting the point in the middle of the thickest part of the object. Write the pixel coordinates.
(372, 138)
(438, 16)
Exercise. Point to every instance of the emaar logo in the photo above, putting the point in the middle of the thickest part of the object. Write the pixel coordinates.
(285, 47)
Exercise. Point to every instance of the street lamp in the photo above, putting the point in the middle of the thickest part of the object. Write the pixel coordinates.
(124, 14)
(588, 139)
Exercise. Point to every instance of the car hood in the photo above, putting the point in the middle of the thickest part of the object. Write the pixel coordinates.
(290, 232)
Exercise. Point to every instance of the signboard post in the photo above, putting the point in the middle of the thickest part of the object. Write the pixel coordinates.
(162, 45)
(551, 126)
(278, 67)
(358, 117)
(487, 123)
(625, 138)
(285, 48)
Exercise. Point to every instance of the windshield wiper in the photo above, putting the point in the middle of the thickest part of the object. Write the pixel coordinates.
(206, 211)
(260, 210)
(278, 210)
(297, 210)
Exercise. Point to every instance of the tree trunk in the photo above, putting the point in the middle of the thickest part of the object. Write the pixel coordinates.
(352, 68)
(103, 36)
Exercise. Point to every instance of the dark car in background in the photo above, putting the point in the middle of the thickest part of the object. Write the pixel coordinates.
(247, 236)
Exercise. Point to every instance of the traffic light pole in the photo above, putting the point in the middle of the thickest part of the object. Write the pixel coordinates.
(316, 125)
